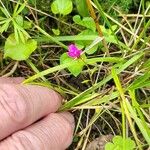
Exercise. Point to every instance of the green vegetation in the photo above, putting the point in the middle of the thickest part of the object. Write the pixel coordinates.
(104, 79)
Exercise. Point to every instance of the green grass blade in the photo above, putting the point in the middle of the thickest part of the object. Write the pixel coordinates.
(104, 59)
(48, 71)
(105, 99)
(63, 66)
(51, 38)
(121, 91)
(138, 122)
(79, 97)
(137, 107)
(29, 62)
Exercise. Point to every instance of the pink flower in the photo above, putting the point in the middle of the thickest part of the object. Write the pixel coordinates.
(73, 51)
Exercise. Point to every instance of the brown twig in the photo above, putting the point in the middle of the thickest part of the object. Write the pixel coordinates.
(12, 70)
(93, 15)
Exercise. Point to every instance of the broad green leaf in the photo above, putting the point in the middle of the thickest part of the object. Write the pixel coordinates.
(93, 46)
(87, 22)
(19, 50)
(118, 144)
(63, 7)
(77, 19)
(82, 8)
(19, 32)
(92, 50)
(87, 43)
(108, 34)
(77, 66)
(110, 38)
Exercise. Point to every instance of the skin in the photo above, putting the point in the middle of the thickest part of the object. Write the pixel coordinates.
(28, 118)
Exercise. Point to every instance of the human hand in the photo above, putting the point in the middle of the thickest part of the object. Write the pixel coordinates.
(28, 120)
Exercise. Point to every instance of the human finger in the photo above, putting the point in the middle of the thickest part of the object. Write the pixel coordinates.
(54, 132)
(21, 105)
(11, 80)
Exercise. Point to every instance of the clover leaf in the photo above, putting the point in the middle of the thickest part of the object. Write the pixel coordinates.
(87, 22)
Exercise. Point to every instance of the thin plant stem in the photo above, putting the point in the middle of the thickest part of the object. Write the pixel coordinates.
(12, 70)
(93, 15)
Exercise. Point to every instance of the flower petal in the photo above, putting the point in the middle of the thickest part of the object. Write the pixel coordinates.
(74, 52)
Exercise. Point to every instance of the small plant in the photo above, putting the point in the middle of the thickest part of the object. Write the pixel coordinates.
(90, 26)
(7, 20)
(78, 59)
(73, 55)
(62, 7)
(19, 44)
(120, 144)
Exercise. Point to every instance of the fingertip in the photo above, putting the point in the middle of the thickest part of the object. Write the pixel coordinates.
(53, 132)
(69, 117)
(55, 99)
(22, 105)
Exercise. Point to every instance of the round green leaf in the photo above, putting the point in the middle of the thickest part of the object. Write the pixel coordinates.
(118, 144)
(87, 22)
(77, 66)
(19, 50)
(63, 7)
